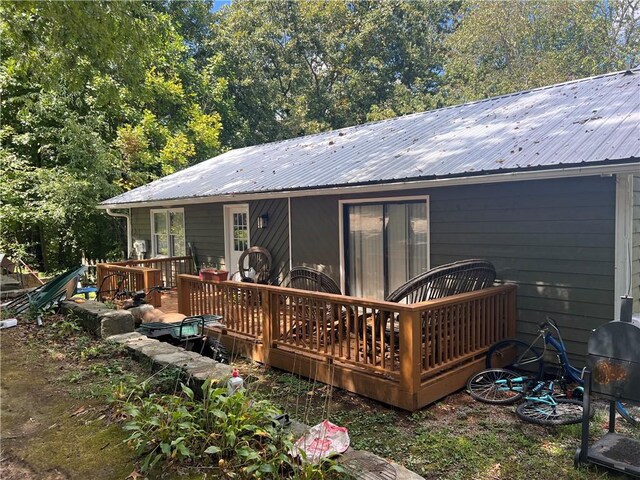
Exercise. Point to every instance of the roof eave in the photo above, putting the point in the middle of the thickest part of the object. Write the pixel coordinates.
(629, 165)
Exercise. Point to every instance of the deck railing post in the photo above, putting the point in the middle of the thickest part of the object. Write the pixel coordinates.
(267, 322)
(152, 277)
(184, 305)
(101, 272)
(511, 311)
(410, 358)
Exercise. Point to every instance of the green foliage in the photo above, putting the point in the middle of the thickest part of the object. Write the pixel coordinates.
(233, 433)
(302, 67)
(505, 46)
(98, 97)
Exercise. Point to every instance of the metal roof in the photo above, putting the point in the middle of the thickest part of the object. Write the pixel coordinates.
(589, 121)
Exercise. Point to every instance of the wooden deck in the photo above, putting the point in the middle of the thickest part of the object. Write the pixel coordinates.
(404, 355)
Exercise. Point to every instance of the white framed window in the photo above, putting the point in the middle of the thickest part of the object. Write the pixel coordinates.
(385, 243)
(167, 233)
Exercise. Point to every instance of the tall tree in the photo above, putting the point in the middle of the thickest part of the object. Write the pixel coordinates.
(297, 67)
(503, 46)
(97, 97)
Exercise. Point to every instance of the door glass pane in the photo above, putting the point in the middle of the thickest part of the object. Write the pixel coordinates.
(397, 223)
(176, 232)
(160, 236)
(418, 231)
(366, 261)
(240, 232)
(387, 246)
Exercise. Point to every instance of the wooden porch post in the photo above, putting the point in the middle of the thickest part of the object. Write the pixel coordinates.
(100, 274)
(184, 306)
(153, 277)
(511, 311)
(410, 358)
(269, 321)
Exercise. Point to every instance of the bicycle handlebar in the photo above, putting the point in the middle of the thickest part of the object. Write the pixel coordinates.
(548, 321)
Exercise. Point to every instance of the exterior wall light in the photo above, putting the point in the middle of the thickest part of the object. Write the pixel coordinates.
(263, 220)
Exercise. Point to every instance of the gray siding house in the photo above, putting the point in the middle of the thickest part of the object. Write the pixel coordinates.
(544, 183)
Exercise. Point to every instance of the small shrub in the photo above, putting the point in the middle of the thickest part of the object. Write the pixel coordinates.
(65, 327)
(234, 434)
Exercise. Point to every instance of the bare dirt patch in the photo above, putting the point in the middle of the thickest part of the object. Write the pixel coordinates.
(52, 429)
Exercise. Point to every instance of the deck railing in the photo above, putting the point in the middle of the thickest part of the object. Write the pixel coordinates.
(114, 278)
(410, 345)
(170, 267)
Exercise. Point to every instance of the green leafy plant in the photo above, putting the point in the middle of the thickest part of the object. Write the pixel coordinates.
(65, 327)
(101, 350)
(232, 433)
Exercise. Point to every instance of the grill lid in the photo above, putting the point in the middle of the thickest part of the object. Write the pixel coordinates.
(614, 360)
(619, 340)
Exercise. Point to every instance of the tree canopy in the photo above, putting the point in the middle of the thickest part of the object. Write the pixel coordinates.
(100, 97)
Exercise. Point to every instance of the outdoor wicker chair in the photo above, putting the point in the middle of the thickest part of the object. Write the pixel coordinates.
(439, 282)
(305, 278)
(257, 259)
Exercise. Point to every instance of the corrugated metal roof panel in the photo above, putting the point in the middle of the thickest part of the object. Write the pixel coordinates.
(584, 121)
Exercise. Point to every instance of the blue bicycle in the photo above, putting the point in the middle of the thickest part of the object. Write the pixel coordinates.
(523, 358)
(541, 404)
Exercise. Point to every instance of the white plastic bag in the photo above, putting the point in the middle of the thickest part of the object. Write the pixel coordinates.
(321, 441)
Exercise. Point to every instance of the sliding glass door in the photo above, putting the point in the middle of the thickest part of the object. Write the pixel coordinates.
(386, 245)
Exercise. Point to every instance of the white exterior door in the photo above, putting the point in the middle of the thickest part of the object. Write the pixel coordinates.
(236, 234)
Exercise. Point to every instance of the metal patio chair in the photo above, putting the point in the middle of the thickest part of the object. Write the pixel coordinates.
(305, 278)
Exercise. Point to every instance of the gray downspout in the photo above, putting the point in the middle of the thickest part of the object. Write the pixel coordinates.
(128, 217)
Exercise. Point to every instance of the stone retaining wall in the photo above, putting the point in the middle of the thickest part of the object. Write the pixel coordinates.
(99, 319)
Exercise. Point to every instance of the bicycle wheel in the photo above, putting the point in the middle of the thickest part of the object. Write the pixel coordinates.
(496, 386)
(563, 412)
(515, 355)
(631, 413)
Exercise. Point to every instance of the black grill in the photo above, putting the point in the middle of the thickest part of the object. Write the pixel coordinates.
(613, 373)
(614, 360)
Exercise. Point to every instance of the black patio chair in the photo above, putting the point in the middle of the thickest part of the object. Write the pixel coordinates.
(305, 278)
(444, 281)
(439, 282)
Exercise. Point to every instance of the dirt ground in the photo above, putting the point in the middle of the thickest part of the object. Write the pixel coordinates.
(56, 423)
(48, 430)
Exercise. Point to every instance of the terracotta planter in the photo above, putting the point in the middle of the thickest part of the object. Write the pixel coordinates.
(213, 275)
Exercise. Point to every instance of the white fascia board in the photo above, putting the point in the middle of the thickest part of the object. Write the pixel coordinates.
(627, 168)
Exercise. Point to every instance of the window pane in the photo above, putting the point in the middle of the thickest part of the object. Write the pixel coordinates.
(366, 261)
(162, 245)
(176, 229)
(160, 223)
(240, 232)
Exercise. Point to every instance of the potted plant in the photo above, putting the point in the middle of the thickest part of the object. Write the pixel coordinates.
(213, 274)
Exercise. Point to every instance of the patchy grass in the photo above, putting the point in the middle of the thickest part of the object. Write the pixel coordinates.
(456, 438)
(56, 423)
(55, 380)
